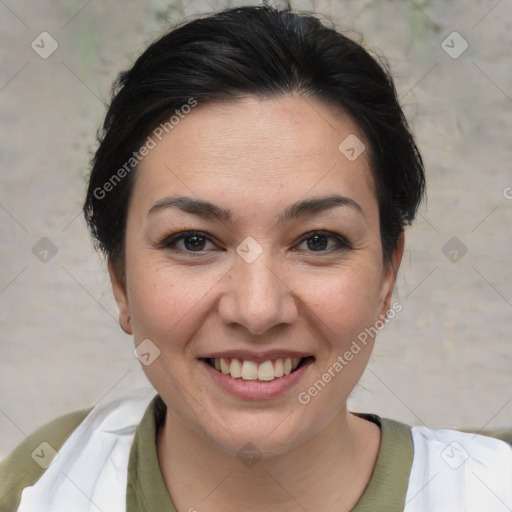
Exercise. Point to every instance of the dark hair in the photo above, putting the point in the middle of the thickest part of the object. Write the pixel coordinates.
(262, 51)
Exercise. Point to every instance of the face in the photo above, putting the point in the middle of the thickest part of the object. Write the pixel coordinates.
(253, 245)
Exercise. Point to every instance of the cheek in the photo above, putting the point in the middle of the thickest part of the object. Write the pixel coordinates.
(166, 300)
(345, 305)
(347, 301)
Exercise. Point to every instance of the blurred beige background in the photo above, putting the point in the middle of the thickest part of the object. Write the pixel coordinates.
(445, 360)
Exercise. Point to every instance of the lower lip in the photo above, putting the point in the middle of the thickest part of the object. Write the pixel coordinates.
(256, 390)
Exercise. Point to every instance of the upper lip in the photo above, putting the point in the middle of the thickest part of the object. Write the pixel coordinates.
(257, 357)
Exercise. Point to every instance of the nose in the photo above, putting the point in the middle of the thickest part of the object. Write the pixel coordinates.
(257, 297)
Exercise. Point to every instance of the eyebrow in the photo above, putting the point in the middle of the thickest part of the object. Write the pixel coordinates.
(304, 208)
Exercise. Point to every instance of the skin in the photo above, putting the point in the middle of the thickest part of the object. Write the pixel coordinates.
(256, 157)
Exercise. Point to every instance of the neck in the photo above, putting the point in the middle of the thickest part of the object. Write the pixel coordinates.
(327, 472)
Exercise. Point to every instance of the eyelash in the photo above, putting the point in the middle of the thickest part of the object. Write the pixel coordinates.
(170, 242)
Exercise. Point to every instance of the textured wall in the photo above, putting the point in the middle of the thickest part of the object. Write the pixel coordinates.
(444, 361)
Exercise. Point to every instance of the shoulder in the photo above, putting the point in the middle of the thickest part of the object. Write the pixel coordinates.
(450, 443)
(505, 434)
(451, 467)
(29, 460)
(88, 445)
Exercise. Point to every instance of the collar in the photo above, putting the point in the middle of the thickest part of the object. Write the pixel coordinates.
(386, 490)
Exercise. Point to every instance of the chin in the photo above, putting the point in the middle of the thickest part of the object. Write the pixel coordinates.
(267, 435)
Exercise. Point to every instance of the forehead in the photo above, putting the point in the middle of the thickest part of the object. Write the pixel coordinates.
(258, 149)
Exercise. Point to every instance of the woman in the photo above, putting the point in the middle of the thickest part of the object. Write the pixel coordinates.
(253, 182)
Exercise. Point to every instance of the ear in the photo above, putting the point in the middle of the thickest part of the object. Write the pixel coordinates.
(390, 274)
(119, 289)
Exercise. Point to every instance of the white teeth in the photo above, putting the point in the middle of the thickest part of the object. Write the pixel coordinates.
(249, 370)
(278, 369)
(224, 366)
(266, 371)
(287, 366)
(236, 368)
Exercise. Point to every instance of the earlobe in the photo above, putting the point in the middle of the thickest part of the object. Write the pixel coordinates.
(121, 297)
(391, 272)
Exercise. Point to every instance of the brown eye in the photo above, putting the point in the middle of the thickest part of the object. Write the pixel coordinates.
(193, 241)
(318, 241)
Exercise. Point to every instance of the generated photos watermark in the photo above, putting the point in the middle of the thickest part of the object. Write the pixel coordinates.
(305, 397)
(150, 143)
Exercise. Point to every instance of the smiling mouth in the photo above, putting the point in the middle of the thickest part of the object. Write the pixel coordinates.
(251, 371)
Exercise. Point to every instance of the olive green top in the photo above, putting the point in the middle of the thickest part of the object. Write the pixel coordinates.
(146, 490)
(386, 490)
